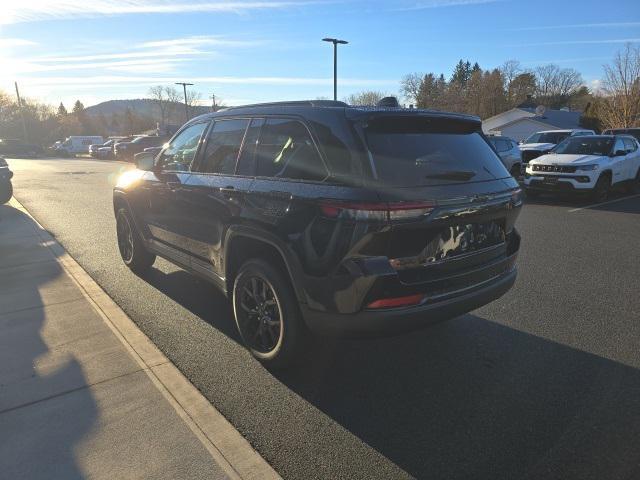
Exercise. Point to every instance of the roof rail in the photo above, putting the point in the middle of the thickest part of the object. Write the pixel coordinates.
(295, 103)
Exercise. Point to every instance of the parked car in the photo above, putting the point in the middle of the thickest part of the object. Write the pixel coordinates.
(105, 153)
(508, 152)
(106, 146)
(76, 144)
(126, 150)
(325, 218)
(634, 132)
(592, 164)
(10, 147)
(6, 188)
(542, 142)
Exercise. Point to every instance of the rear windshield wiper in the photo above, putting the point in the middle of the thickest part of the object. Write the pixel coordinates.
(461, 175)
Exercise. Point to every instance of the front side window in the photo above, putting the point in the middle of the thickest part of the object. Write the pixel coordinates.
(286, 150)
(619, 146)
(223, 146)
(181, 151)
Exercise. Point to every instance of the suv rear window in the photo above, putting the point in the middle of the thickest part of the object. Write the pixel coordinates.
(424, 151)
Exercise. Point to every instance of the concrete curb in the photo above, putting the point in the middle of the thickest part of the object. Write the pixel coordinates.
(228, 448)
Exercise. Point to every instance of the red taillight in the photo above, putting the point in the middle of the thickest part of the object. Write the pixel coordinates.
(397, 301)
(377, 211)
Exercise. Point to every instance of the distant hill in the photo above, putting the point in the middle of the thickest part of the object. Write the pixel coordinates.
(142, 106)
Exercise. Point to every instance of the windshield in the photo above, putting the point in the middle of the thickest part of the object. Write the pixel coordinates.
(547, 137)
(584, 146)
(407, 152)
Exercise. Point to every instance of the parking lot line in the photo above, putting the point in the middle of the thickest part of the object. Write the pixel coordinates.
(603, 203)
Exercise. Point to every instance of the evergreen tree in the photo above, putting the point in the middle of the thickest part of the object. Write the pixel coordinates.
(78, 108)
(62, 111)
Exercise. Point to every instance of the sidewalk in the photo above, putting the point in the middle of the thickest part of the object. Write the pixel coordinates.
(83, 393)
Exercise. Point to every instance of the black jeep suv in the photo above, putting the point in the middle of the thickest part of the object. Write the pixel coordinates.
(321, 217)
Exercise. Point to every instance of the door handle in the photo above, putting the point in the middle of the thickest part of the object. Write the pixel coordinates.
(228, 189)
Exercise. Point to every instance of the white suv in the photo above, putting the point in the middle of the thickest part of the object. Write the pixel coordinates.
(590, 164)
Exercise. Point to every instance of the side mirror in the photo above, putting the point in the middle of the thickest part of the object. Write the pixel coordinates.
(620, 153)
(145, 161)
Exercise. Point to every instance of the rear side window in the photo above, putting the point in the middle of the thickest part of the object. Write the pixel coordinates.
(286, 150)
(223, 146)
(424, 151)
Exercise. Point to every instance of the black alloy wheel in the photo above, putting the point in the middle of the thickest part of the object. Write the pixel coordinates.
(268, 315)
(262, 315)
(131, 247)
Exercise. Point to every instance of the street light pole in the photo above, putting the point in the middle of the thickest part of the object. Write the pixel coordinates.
(24, 123)
(335, 42)
(184, 88)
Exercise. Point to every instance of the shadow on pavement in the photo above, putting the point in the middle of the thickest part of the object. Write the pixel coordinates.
(618, 201)
(37, 439)
(469, 398)
(197, 296)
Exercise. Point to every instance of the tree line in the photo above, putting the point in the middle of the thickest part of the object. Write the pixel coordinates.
(488, 92)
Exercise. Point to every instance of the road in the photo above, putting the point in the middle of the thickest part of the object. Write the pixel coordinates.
(543, 383)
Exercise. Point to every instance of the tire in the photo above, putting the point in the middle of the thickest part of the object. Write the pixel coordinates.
(635, 184)
(132, 250)
(268, 319)
(601, 190)
(6, 192)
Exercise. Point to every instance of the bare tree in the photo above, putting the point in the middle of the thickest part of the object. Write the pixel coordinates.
(159, 96)
(174, 100)
(410, 86)
(555, 84)
(621, 87)
(365, 98)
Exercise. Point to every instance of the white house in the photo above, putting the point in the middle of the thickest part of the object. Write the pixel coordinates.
(520, 122)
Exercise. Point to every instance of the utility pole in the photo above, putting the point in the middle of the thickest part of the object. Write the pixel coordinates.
(184, 88)
(335, 42)
(24, 123)
(213, 102)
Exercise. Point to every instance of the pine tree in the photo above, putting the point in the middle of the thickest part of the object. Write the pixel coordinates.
(78, 108)
(62, 111)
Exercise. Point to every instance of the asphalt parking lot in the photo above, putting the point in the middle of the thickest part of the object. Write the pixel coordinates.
(543, 383)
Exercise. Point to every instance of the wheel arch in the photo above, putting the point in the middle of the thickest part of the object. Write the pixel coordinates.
(244, 243)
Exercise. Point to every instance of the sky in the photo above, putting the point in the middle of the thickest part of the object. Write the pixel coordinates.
(246, 51)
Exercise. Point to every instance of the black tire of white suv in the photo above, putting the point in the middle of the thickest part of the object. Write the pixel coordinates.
(601, 190)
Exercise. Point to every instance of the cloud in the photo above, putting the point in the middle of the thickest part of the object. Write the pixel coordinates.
(577, 42)
(199, 40)
(15, 42)
(37, 10)
(101, 80)
(577, 25)
(423, 5)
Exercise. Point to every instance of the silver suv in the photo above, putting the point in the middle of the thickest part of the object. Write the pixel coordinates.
(509, 153)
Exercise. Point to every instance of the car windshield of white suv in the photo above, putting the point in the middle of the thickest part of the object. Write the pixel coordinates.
(584, 146)
(547, 137)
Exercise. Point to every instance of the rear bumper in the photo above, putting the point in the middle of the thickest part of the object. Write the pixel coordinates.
(397, 320)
